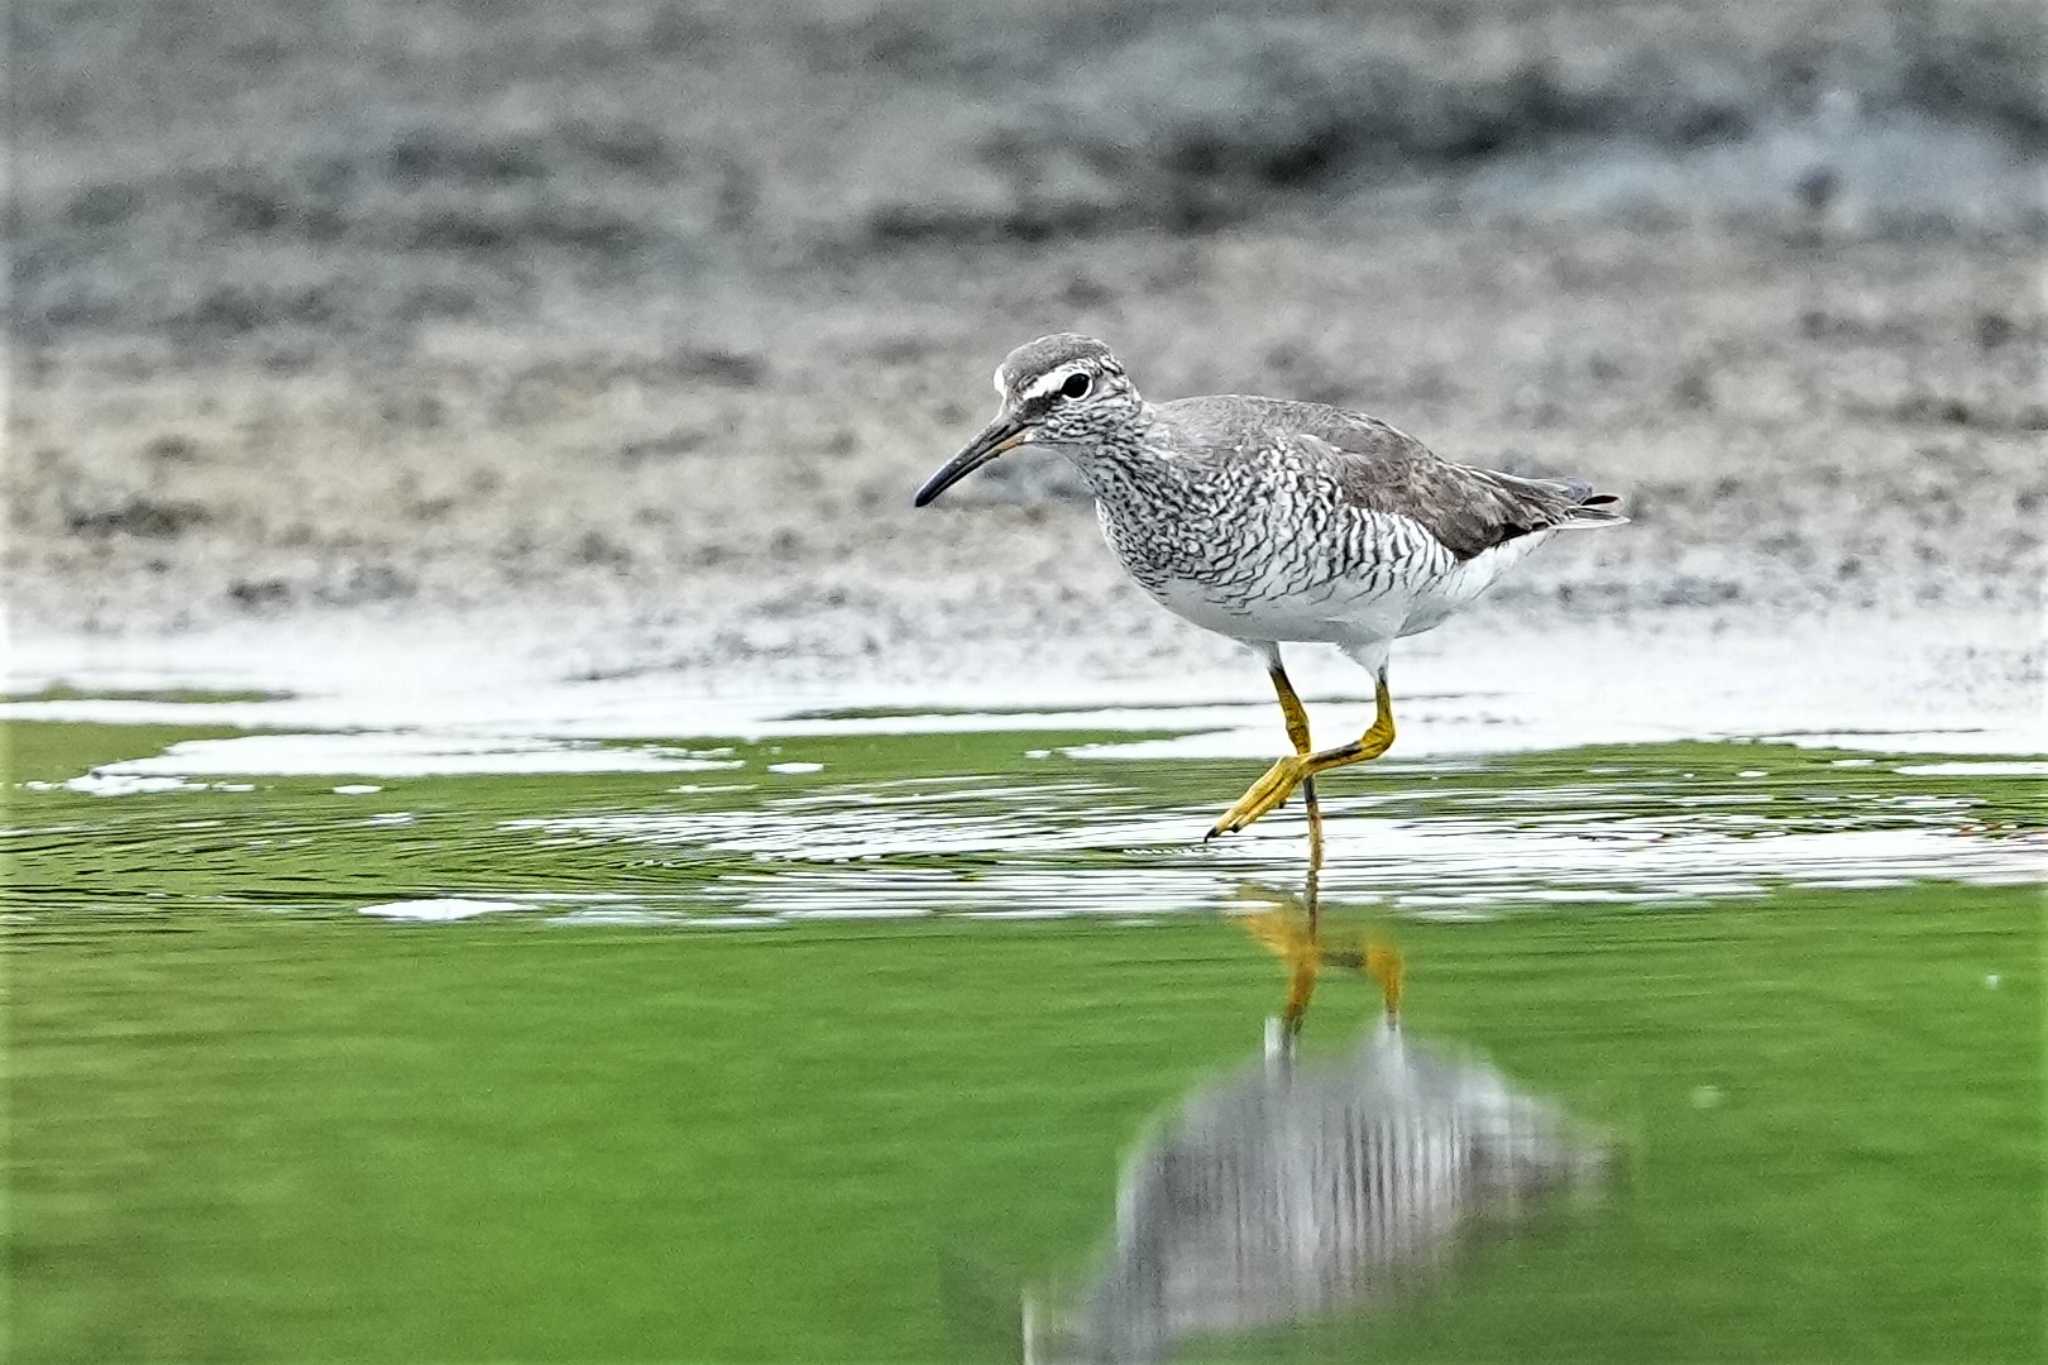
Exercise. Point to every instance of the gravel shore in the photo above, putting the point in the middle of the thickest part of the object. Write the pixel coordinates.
(640, 327)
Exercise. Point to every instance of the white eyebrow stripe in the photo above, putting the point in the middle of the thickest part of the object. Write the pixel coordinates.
(1046, 383)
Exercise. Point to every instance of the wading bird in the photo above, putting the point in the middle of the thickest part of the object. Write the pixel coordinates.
(1272, 522)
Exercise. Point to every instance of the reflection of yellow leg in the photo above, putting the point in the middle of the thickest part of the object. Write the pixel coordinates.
(1283, 777)
(1383, 964)
(1302, 970)
(1293, 941)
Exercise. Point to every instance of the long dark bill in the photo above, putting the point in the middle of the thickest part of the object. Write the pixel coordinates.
(1005, 433)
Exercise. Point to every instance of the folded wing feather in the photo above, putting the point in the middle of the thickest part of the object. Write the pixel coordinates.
(1385, 470)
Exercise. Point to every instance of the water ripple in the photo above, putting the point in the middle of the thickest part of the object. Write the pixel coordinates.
(1089, 848)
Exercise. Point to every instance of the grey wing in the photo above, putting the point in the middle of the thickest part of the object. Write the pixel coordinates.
(1383, 469)
(1467, 508)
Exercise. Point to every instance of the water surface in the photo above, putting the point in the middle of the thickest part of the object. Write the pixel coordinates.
(836, 1046)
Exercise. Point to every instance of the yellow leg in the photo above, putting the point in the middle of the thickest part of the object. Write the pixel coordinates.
(1297, 734)
(1301, 985)
(1283, 777)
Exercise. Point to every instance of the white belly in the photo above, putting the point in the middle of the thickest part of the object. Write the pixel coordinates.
(1335, 613)
(1466, 581)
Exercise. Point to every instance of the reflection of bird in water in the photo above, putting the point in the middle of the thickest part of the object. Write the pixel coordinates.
(1295, 1188)
(1270, 521)
(1298, 943)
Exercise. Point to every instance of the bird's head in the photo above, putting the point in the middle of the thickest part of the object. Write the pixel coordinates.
(1061, 390)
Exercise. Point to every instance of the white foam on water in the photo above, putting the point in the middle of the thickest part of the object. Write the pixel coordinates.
(1478, 849)
(2016, 768)
(2011, 739)
(1954, 683)
(438, 911)
(1042, 913)
(621, 916)
(105, 782)
(403, 754)
(1440, 914)
(401, 708)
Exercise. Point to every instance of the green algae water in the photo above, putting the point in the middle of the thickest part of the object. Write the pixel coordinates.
(835, 1049)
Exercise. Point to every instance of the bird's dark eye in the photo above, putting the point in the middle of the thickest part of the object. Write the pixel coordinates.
(1076, 385)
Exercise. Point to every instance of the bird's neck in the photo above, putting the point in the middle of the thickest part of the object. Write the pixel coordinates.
(1127, 464)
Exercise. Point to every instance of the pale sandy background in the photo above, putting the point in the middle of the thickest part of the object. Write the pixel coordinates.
(615, 337)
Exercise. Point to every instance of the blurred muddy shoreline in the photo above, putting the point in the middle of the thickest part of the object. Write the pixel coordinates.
(641, 322)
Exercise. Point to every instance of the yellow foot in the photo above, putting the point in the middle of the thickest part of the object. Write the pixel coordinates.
(1263, 795)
